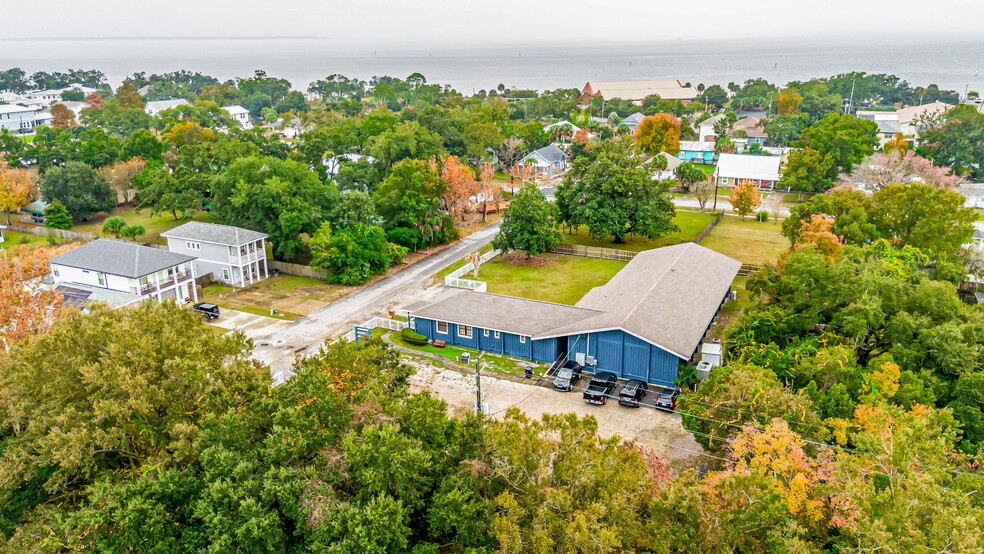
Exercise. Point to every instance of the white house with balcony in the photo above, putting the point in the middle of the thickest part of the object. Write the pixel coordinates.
(16, 118)
(240, 114)
(123, 273)
(232, 255)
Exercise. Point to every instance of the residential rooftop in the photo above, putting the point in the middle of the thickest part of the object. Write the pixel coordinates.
(215, 233)
(126, 259)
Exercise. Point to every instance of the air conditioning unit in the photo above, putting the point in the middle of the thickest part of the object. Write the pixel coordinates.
(711, 352)
(589, 360)
(579, 358)
(704, 370)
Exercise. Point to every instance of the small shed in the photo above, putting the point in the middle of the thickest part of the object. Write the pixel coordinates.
(36, 211)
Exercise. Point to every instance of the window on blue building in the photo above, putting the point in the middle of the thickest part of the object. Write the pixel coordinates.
(442, 327)
(465, 331)
(522, 339)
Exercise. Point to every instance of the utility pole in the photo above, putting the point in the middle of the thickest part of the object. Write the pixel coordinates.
(478, 388)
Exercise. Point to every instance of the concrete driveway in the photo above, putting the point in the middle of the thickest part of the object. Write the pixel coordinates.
(254, 326)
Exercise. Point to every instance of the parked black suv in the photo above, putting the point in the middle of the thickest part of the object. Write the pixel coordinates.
(602, 385)
(632, 393)
(210, 311)
(567, 376)
(667, 399)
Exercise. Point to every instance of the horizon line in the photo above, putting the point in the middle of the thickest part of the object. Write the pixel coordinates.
(163, 37)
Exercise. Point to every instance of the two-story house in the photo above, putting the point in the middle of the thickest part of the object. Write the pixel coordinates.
(16, 118)
(240, 114)
(123, 273)
(231, 254)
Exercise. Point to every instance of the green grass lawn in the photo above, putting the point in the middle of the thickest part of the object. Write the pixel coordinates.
(690, 224)
(561, 279)
(155, 225)
(12, 239)
(493, 362)
(289, 283)
(706, 168)
(748, 241)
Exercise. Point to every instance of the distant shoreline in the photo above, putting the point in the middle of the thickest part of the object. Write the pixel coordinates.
(146, 38)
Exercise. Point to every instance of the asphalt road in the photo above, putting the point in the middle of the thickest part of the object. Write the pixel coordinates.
(279, 348)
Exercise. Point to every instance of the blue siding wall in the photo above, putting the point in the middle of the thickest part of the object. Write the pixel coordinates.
(626, 356)
(490, 343)
(513, 347)
(424, 327)
(545, 351)
(463, 341)
(615, 351)
(663, 366)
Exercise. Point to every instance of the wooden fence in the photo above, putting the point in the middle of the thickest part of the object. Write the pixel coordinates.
(296, 269)
(593, 252)
(48, 232)
(710, 227)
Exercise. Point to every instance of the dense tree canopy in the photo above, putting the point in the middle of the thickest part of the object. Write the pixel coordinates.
(80, 188)
(281, 198)
(613, 196)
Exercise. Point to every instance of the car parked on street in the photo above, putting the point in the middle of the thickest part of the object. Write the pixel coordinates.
(632, 393)
(667, 399)
(567, 376)
(602, 386)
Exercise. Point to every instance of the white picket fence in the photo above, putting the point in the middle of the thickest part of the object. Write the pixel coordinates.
(454, 279)
(376, 321)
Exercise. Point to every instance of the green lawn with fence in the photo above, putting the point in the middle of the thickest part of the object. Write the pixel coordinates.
(690, 223)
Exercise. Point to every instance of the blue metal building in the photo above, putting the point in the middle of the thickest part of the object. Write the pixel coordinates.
(642, 324)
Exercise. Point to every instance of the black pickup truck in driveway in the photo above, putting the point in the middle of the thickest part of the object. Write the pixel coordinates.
(602, 385)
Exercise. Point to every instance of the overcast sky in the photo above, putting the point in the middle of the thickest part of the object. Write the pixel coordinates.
(385, 22)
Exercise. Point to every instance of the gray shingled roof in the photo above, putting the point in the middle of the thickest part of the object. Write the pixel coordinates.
(667, 296)
(211, 232)
(550, 153)
(120, 258)
(888, 126)
(505, 313)
(633, 120)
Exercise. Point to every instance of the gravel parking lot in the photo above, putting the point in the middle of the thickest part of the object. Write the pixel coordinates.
(657, 430)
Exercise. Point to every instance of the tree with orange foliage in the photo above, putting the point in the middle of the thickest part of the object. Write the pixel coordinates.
(95, 100)
(788, 102)
(17, 186)
(745, 198)
(128, 96)
(120, 177)
(61, 117)
(490, 190)
(461, 185)
(581, 136)
(817, 231)
(25, 309)
(658, 133)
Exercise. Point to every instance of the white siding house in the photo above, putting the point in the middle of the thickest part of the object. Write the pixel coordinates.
(123, 273)
(733, 168)
(548, 160)
(231, 254)
(158, 106)
(240, 114)
(16, 118)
